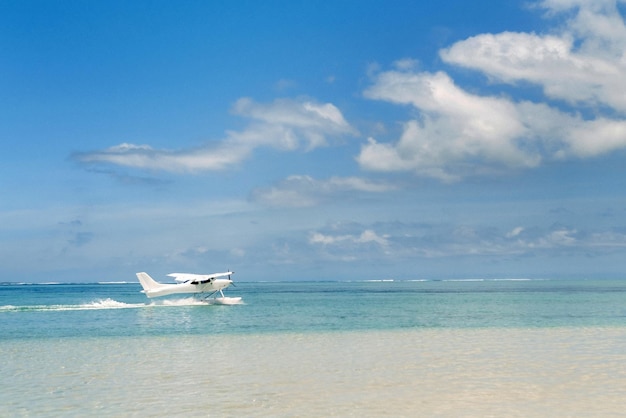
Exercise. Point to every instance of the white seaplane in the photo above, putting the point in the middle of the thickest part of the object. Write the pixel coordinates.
(207, 285)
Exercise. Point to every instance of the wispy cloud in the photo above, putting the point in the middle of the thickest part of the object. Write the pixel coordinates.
(459, 133)
(303, 191)
(345, 244)
(397, 241)
(284, 124)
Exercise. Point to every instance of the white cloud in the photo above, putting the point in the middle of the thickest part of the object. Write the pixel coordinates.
(283, 124)
(456, 128)
(303, 191)
(558, 238)
(597, 137)
(402, 241)
(145, 157)
(406, 64)
(515, 232)
(457, 133)
(583, 62)
(302, 121)
(608, 239)
(366, 237)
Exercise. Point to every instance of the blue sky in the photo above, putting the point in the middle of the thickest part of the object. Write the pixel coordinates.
(295, 140)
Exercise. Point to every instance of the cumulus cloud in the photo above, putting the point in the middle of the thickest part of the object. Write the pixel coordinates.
(455, 128)
(582, 62)
(366, 237)
(458, 133)
(302, 191)
(284, 124)
(564, 72)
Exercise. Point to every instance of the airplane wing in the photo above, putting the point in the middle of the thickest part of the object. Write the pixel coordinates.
(197, 278)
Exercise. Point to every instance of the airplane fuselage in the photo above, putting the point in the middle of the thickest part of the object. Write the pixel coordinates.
(191, 284)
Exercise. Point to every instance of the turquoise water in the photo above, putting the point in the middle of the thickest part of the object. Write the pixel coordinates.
(81, 310)
(421, 348)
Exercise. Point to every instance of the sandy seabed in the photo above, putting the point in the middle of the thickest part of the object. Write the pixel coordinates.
(544, 372)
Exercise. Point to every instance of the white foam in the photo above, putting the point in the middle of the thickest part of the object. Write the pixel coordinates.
(95, 305)
(179, 302)
(225, 301)
(110, 304)
(105, 304)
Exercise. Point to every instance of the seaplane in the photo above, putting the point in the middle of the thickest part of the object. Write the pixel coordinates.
(206, 286)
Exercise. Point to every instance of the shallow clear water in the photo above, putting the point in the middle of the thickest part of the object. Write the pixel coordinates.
(32, 311)
(446, 348)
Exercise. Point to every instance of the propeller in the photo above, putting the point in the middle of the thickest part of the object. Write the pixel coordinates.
(231, 280)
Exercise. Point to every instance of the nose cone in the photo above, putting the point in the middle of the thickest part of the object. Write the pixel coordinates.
(222, 283)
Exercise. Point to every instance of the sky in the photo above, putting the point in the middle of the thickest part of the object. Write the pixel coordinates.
(312, 140)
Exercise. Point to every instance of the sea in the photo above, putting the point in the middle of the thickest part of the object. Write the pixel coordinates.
(388, 348)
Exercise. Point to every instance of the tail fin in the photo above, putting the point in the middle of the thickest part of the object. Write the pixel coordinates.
(147, 282)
